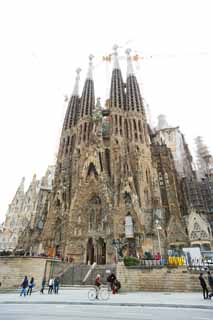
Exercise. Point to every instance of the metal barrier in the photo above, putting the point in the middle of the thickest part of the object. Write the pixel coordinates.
(204, 267)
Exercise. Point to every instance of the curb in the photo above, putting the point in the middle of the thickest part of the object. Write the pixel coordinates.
(116, 304)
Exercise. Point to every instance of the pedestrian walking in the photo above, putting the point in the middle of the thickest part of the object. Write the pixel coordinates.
(31, 286)
(111, 278)
(117, 286)
(51, 283)
(24, 286)
(56, 285)
(43, 285)
(204, 286)
(210, 281)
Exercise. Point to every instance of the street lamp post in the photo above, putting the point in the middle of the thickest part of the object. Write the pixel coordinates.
(119, 244)
(158, 227)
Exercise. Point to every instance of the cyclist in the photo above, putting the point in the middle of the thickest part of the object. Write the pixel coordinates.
(97, 284)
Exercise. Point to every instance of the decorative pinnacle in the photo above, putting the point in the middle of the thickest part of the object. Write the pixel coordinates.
(130, 70)
(76, 86)
(115, 48)
(98, 103)
(128, 51)
(115, 53)
(78, 71)
(89, 73)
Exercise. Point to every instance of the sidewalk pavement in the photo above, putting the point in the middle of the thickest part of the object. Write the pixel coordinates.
(79, 296)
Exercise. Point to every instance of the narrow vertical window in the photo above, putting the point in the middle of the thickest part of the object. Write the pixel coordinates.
(135, 129)
(120, 125)
(107, 159)
(126, 129)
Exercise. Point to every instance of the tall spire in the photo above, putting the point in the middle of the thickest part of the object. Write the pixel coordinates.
(20, 190)
(90, 69)
(115, 55)
(117, 93)
(21, 186)
(73, 105)
(130, 70)
(76, 86)
(133, 95)
(88, 94)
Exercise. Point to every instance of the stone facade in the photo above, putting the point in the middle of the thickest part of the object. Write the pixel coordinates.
(30, 238)
(26, 213)
(106, 172)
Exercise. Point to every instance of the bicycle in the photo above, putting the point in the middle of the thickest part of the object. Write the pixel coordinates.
(101, 293)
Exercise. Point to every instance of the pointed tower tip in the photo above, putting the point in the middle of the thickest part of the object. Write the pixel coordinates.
(115, 55)
(89, 73)
(115, 48)
(128, 51)
(76, 86)
(130, 70)
(21, 186)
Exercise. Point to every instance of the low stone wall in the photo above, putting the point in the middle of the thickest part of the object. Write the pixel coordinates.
(158, 279)
(13, 270)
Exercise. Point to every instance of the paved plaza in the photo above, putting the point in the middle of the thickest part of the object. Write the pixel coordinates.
(75, 296)
(80, 312)
(73, 303)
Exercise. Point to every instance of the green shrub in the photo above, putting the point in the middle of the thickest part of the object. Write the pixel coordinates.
(131, 261)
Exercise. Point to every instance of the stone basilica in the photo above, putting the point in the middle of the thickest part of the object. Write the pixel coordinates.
(117, 187)
(112, 182)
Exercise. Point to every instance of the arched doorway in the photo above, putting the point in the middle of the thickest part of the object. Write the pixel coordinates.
(101, 251)
(90, 251)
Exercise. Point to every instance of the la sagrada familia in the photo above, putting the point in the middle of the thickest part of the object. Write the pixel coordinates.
(116, 182)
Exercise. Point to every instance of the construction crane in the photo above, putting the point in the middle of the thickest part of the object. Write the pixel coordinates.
(137, 57)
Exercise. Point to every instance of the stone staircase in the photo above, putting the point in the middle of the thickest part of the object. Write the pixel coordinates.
(74, 274)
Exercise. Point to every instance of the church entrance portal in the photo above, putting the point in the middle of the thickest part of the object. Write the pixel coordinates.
(96, 253)
(90, 251)
(101, 251)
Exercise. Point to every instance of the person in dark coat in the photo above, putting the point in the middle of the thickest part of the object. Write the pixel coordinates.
(56, 285)
(117, 286)
(24, 286)
(31, 286)
(210, 281)
(204, 286)
(43, 285)
(111, 279)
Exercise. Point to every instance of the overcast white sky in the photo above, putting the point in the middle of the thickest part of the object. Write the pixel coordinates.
(43, 42)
